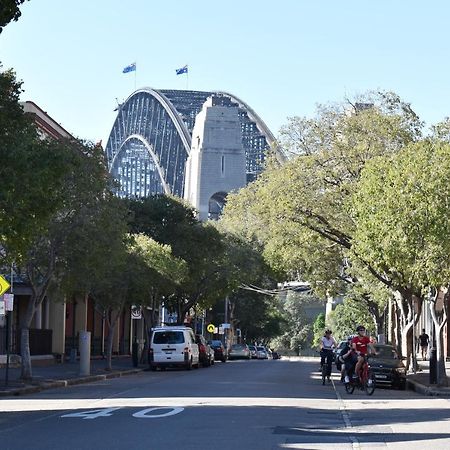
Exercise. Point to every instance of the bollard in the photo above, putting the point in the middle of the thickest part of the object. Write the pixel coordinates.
(85, 353)
(134, 353)
(433, 365)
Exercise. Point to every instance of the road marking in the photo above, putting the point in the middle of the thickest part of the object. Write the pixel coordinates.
(93, 413)
(144, 413)
(346, 418)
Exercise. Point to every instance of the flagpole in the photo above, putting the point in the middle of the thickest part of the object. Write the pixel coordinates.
(187, 77)
(135, 75)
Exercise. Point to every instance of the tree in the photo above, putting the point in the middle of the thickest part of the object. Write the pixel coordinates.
(344, 319)
(77, 180)
(318, 329)
(9, 10)
(296, 327)
(403, 228)
(300, 212)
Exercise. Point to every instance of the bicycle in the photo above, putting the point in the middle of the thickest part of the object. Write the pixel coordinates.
(327, 366)
(365, 381)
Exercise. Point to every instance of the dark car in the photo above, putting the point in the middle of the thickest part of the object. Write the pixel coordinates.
(220, 352)
(388, 367)
(205, 352)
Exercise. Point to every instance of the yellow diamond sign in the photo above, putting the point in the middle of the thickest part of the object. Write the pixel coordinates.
(4, 285)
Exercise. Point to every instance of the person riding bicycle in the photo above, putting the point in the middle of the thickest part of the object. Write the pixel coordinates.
(345, 358)
(361, 345)
(327, 344)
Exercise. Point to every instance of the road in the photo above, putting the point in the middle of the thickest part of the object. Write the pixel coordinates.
(251, 405)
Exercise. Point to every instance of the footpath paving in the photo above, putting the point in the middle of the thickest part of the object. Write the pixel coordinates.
(420, 381)
(63, 375)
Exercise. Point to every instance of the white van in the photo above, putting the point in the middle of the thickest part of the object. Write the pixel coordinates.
(173, 346)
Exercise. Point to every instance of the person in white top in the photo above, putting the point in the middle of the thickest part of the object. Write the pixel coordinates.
(327, 344)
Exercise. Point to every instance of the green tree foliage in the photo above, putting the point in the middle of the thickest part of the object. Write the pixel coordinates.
(403, 225)
(9, 10)
(347, 316)
(318, 329)
(296, 327)
(256, 316)
(77, 183)
(300, 212)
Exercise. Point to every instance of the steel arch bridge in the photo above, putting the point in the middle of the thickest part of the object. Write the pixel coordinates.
(151, 139)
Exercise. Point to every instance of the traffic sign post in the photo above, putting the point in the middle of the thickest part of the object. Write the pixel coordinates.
(4, 286)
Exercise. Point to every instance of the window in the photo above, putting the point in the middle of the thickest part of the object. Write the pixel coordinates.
(168, 337)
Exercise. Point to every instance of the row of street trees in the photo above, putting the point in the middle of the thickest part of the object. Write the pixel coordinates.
(69, 236)
(360, 208)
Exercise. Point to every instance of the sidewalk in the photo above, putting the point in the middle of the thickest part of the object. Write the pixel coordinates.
(420, 381)
(63, 375)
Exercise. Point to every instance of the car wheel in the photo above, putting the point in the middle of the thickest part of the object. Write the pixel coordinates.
(153, 368)
(402, 385)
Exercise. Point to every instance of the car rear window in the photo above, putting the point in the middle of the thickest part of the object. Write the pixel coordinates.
(168, 337)
(237, 347)
(261, 349)
(215, 344)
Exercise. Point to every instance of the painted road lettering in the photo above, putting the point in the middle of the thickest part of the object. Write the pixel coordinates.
(143, 414)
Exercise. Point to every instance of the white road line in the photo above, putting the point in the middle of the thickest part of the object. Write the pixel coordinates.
(346, 418)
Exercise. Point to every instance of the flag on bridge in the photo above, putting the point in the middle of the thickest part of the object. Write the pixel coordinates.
(182, 70)
(130, 68)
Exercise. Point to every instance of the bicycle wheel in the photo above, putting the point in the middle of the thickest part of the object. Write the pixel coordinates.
(369, 384)
(324, 373)
(349, 388)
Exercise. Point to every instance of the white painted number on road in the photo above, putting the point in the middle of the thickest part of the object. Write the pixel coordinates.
(144, 413)
(93, 413)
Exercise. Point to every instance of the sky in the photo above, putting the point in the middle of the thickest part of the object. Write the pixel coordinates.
(281, 57)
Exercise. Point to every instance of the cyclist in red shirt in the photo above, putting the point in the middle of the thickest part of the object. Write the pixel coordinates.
(361, 345)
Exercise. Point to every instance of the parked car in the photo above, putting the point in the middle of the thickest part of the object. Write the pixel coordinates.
(239, 351)
(261, 352)
(173, 346)
(206, 353)
(253, 353)
(220, 352)
(276, 355)
(388, 367)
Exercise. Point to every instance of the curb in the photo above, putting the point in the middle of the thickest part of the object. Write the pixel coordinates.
(427, 390)
(65, 383)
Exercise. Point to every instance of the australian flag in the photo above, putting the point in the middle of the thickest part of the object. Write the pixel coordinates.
(130, 68)
(182, 70)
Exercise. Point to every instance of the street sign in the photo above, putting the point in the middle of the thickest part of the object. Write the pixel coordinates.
(226, 326)
(211, 328)
(136, 312)
(4, 285)
(9, 302)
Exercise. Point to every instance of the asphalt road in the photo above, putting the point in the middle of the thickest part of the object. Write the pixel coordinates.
(253, 405)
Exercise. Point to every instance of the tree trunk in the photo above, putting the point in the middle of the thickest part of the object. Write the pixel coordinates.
(438, 310)
(112, 323)
(26, 371)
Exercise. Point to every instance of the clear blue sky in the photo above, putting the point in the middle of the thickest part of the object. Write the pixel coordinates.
(281, 57)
